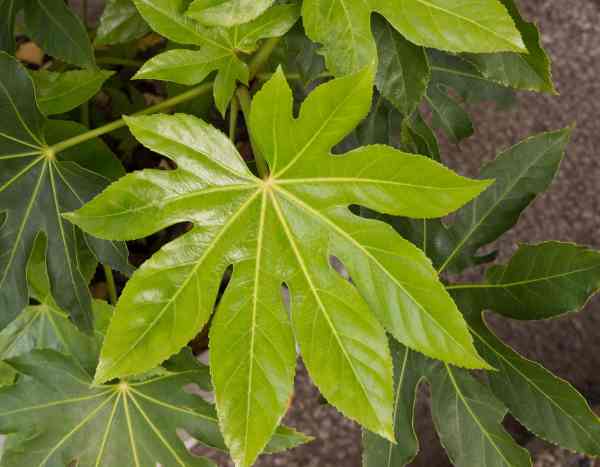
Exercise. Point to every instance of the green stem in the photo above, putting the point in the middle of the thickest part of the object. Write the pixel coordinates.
(119, 61)
(166, 104)
(234, 110)
(110, 284)
(244, 97)
(262, 56)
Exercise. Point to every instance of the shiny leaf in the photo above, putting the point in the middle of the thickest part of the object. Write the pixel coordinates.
(120, 23)
(61, 92)
(282, 230)
(58, 31)
(530, 71)
(35, 187)
(520, 173)
(344, 27)
(227, 12)
(218, 46)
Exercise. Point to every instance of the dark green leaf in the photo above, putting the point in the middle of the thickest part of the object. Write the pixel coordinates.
(58, 31)
(35, 186)
(403, 71)
(9, 9)
(521, 173)
(59, 93)
(448, 114)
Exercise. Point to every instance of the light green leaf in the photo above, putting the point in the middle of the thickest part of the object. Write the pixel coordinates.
(344, 27)
(521, 173)
(35, 186)
(540, 281)
(530, 71)
(227, 13)
(218, 50)
(120, 23)
(468, 419)
(59, 31)
(403, 72)
(301, 211)
(547, 405)
(61, 92)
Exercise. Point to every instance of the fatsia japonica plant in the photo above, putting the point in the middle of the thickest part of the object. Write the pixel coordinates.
(275, 170)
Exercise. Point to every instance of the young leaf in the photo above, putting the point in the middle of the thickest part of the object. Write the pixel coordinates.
(540, 281)
(468, 419)
(403, 71)
(58, 31)
(547, 405)
(521, 173)
(344, 27)
(218, 46)
(530, 71)
(35, 186)
(59, 93)
(227, 13)
(120, 23)
(301, 212)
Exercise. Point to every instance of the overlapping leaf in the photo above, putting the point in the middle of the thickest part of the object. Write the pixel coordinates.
(227, 12)
(218, 47)
(467, 417)
(344, 27)
(126, 424)
(282, 230)
(36, 185)
(61, 92)
(120, 22)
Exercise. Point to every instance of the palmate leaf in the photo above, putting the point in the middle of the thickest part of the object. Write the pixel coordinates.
(35, 187)
(218, 46)
(120, 22)
(61, 92)
(283, 229)
(344, 27)
(129, 424)
(227, 12)
(467, 417)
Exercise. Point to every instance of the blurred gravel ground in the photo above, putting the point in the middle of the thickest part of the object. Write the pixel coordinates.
(569, 212)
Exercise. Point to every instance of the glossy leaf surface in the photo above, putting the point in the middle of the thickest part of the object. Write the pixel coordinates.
(61, 92)
(218, 47)
(35, 187)
(120, 22)
(530, 71)
(227, 12)
(344, 27)
(300, 217)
